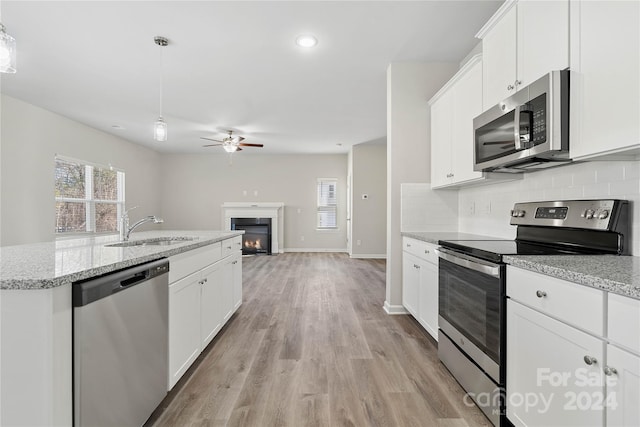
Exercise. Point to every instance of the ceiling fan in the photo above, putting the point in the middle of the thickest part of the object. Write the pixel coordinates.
(230, 143)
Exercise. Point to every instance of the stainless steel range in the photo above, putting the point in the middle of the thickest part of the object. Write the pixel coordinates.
(472, 283)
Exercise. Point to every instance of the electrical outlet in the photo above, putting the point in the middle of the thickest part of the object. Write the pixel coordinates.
(365, 196)
(244, 193)
(302, 238)
(486, 207)
(471, 209)
(358, 242)
(255, 193)
(299, 210)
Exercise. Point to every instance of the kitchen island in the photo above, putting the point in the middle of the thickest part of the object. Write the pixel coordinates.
(36, 309)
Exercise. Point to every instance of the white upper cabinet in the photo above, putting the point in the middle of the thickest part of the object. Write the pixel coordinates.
(452, 111)
(499, 59)
(441, 135)
(605, 82)
(523, 41)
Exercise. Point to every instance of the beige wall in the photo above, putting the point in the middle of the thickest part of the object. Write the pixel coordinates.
(409, 87)
(369, 216)
(195, 186)
(30, 139)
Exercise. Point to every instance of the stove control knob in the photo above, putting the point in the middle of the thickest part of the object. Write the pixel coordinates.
(588, 214)
(514, 213)
(603, 214)
(521, 214)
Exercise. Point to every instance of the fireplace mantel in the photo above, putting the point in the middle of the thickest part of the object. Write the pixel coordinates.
(273, 210)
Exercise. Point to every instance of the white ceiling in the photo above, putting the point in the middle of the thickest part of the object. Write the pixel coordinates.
(230, 65)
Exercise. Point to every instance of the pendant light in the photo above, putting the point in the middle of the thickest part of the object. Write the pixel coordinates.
(160, 126)
(7, 52)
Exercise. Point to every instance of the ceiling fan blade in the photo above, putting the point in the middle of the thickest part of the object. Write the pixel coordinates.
(210, 139)
(212, 145)
(239, 149)
(237, 138)
(251, 145)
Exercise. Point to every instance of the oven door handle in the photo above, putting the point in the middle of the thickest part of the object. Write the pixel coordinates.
(468, 262)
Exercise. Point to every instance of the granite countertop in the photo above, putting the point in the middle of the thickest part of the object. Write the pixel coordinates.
(611, 273)
(50, 264)
(434, 237)
(616, 274)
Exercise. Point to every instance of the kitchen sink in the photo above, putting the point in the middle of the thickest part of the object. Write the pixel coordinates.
(159, 241)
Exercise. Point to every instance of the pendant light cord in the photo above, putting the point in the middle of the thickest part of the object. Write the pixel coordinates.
(161, 78)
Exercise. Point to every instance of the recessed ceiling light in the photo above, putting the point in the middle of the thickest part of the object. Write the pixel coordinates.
(117, 127)
(306, 40)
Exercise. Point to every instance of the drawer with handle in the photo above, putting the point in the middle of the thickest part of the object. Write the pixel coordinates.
(420, 249)
(569, 302)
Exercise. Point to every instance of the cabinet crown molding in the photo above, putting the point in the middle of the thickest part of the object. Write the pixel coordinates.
(461, 72)
(506, 6)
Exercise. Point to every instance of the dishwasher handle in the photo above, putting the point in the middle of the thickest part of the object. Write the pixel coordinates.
(91, 290)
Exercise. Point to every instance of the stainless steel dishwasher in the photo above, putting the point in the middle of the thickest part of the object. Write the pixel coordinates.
(120, 345)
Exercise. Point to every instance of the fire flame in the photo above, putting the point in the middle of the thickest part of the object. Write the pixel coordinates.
(250, 244)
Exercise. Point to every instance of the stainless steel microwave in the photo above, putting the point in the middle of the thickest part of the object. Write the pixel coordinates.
(527, 131)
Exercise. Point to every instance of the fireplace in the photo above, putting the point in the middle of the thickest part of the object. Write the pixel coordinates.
(257, 235)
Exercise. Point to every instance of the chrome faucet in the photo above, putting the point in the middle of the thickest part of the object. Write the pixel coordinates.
(125, 230)
(150, 218)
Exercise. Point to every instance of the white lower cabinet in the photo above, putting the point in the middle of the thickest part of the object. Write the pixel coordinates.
(564, 367)
(236, 264)
(549, 381)
(420, 283)
(410, 283)
(184, 326)
(211, 315)
(623, 387)
(201, 302)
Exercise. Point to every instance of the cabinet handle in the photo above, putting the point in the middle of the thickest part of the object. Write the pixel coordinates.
(541, 294)
(416, 266)
(610, 371)
(228, 247)
(590, 360)
(510, 87)
(234, 262)
(426, 251)
(518, 83)
(206, 280)
(408, 245)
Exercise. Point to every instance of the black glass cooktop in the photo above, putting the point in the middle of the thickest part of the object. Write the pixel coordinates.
(493, 250)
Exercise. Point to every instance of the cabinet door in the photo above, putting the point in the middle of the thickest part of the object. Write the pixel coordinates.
(548, 381)
(184, 326)
(499, 60)
(623, 388)
(410, 283)
(428, 296)
(236, 267)
(467, 104)
(441, 132)
(226, 294)
(543, 38)
(605, 88)
(211, 315)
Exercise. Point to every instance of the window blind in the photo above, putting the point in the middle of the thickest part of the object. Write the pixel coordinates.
(327, 203)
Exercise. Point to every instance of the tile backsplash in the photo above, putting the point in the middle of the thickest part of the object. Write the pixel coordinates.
(485, 209)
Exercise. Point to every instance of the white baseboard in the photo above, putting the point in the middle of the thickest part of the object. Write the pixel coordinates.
(368, 256)
(340, 250)
(394, 309)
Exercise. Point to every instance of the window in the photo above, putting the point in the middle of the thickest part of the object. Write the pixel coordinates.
(89, 198)
(327, 203)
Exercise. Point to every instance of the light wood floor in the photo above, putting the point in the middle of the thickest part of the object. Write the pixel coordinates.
(312, 346)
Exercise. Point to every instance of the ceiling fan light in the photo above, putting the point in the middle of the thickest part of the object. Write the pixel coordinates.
(306, 40)
(7, 52)
(160, 130)
(230, 148)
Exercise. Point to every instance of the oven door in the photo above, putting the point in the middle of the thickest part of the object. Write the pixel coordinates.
(470, 307)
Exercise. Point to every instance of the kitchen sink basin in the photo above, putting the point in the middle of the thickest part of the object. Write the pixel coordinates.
(160, 241)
